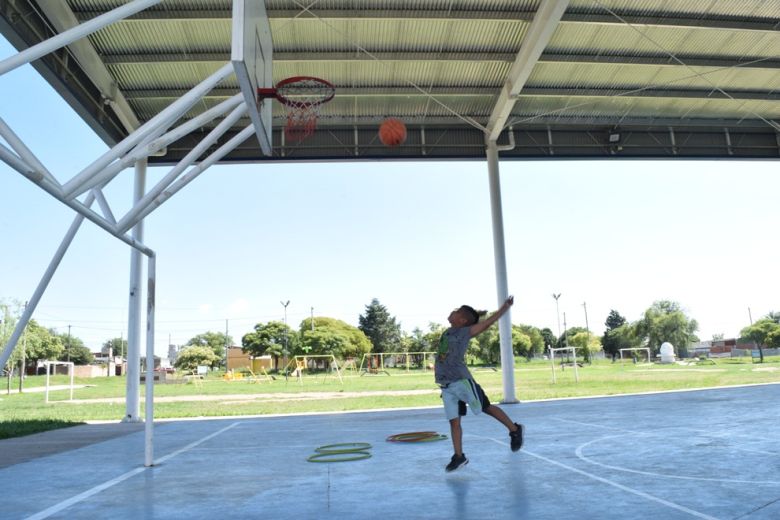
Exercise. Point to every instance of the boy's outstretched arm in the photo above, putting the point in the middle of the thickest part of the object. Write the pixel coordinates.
(482, 326)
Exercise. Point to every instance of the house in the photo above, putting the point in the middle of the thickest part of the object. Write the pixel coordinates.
(237, 359)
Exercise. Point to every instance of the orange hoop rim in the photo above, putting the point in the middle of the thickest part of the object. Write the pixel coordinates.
(274, 92)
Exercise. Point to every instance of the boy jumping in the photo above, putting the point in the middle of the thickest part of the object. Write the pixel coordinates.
(457, 385)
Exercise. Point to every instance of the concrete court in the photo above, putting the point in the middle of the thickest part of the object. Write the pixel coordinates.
(698, 454)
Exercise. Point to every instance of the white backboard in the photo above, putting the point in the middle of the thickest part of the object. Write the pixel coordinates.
(252, 60)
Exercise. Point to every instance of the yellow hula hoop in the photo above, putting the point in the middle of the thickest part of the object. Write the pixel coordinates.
(344, 447)
(416, 437)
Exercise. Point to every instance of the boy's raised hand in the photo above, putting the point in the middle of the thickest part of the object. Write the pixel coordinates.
(480, 327)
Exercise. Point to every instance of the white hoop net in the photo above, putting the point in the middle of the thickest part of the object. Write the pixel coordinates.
(303, 98)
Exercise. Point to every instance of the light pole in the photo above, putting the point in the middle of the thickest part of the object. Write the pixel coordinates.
(587, 329)
(558, 312)
(67, 347)
(285, 304)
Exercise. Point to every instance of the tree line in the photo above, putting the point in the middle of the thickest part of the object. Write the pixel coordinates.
(378, 331)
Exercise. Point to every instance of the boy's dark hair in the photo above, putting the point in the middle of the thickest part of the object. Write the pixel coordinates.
(471, 313)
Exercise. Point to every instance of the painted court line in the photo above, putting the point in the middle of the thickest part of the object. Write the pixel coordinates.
(606, 481)
(56, 508)
(661, 432)
(584, 458)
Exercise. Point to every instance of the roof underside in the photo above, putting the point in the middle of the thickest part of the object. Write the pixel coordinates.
(672, 79)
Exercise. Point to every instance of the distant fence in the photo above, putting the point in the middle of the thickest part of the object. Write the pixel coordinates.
(739, 352)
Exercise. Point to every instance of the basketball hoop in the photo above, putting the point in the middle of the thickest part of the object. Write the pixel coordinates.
(302, 97)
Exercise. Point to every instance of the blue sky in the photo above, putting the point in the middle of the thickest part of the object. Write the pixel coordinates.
(417, 236)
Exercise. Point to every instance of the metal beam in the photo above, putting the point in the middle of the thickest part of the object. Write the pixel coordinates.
(62, 18)
(280, 58)
(536, 38)
(490, 92)
(24, 28)
(578, 16)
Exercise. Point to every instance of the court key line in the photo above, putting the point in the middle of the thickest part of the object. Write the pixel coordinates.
(606, 481)
(587, 459)
(121, 478)
(659, 432)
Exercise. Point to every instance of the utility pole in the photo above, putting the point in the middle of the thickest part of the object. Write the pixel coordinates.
(557, 312)
(24, 354)
(312, 319)
(3, 324)
(227, 346)
(587, 329)
(285, 304)
(565, 336)
(67, 347)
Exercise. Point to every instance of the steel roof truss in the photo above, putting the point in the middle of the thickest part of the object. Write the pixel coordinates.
(539, 33)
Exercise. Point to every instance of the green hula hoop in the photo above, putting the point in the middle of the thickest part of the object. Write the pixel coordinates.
(344, 447)
(339, 457)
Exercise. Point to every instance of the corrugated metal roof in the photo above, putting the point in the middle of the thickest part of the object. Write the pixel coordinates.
(653, 64)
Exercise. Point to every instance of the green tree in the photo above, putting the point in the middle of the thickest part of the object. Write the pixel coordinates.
(190, 358)
(763, 333)
(612, 342)
(41, 344)
(569, 333)
(380, 328)
(526, 341)
(269, 339)
(75, 350)
(487, 346)
(666, 321)
(548, 338)
(625, 336)
(433, 336)
(9, 315)
(586, 344)
(117, 346)
(537, 345)
(216, 341)
(331, 336)
(773, 316)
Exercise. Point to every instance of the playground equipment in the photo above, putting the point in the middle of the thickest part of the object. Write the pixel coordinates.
(569, 351)
(301, 364)
(239, 375)
(378, 363)
(49, 364)
(633, 354)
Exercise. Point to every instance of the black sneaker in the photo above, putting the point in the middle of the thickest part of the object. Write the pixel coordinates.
(516, 438)
(456, 462)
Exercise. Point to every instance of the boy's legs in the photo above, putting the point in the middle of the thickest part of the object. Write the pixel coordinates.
(501, 416)
(456, 433)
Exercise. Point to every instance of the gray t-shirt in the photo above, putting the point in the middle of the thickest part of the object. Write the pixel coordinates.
(450, 363)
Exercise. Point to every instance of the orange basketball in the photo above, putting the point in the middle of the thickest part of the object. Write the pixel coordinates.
(392, 132)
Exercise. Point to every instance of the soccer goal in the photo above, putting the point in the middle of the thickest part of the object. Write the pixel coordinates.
(298, 365)
(570, 352)
(408, 361)
(48, 365)
(636, 355)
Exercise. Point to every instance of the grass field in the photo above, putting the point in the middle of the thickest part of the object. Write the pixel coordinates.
(103, 398)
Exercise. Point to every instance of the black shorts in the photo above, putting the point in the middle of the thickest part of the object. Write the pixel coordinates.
(483, 400)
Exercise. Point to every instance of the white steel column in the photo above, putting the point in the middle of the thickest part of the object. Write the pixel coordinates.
(132, 396)
(502, 285)
(149, 406)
